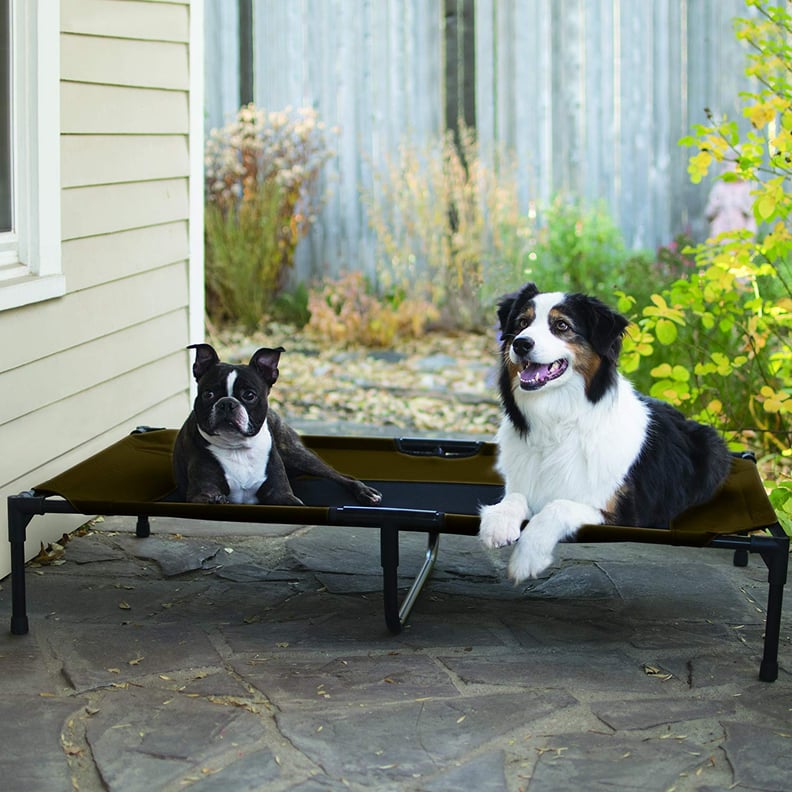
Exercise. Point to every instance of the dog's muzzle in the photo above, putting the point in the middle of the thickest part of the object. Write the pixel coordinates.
(534, 375)
(229, 413)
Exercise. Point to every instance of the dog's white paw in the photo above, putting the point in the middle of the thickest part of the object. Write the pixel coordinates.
(528, 561)
(557, 521)
(534, 552)
(500, 523)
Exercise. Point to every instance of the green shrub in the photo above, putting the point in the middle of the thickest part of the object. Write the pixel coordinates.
(718, 342)
(291, 307)
(262, 173)
(578, 248)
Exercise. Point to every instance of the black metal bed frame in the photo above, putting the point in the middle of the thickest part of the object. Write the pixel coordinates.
(772, 547)
(456, 498)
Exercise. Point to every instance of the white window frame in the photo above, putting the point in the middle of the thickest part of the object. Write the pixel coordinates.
(30, 255)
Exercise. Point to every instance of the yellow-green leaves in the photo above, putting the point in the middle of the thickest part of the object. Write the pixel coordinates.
(775, 401)
(699, 165)
(666, 319)
(771, 199)
(673, 383)
(638, 344)
(720, 364)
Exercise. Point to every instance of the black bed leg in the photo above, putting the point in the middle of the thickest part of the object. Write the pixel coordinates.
(777, 561)
(768, 669)
(142, 527)
(18, 520)
(740, 558)
(389, 556)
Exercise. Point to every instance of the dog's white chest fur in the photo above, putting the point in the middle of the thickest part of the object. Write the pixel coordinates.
(244, 462)
(583, 454)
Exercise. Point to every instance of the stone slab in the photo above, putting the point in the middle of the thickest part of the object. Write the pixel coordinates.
(484, 773)
(173, 555)
(604, 762)
(649, 712)
(100, 656)
(252, 772)
(30, 733)
(759, 756)
(143, 739)
(348, 550)
(415, 739)
(382, 678)
(548, 668)
(683, 592)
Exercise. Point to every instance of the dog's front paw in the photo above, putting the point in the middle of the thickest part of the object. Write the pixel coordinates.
(286, 499)
(367, 495)
(529, 559)
(500, 523)
(209, 497)
(534, 552)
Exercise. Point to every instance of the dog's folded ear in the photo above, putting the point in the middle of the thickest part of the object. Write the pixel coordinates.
(504, 309)
(608, 331)
(205, 358)
(604, 327)
(265, 362)
(506, 303)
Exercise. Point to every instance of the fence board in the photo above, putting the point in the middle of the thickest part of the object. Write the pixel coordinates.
(591, 95)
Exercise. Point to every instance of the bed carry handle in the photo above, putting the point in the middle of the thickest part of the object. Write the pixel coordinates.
(378, 516)
(419, 446)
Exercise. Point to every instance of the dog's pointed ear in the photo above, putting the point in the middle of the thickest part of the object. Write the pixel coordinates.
(265, 362)
(506, 303)
(205, 358)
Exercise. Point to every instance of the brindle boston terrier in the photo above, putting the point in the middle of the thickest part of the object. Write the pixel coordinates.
(233, 449)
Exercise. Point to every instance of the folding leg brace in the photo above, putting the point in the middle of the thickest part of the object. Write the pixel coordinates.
(773, 549)
(395, 616)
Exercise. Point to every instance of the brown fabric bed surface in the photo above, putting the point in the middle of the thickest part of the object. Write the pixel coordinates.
(133, 476)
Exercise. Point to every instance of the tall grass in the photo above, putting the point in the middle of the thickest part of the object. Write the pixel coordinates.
(449, 226)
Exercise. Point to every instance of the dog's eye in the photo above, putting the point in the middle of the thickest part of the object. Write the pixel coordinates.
(561, 326)
(249, 395)
(207, 396)
(523, 322)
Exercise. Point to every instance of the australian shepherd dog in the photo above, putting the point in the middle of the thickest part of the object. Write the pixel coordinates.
(577, 444)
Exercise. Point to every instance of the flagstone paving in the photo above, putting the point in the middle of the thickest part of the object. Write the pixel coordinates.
(227, 657)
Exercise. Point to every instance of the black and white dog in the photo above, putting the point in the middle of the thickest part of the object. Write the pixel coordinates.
(577, 444)
(234, 449)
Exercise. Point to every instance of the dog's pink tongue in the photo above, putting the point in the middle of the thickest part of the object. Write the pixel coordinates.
(535, 372)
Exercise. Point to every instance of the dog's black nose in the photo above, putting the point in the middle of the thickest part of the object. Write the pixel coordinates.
(522, 346)
(225, 406)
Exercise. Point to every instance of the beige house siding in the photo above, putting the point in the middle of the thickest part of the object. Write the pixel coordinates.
(81, 371)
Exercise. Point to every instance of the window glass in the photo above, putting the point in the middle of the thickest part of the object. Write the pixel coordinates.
(6, 203)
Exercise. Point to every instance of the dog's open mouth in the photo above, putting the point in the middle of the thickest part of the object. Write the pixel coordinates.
(535, 375)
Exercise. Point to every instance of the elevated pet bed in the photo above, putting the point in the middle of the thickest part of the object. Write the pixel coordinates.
(430, 486)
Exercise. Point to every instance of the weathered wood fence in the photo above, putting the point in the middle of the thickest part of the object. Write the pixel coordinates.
(591, 95)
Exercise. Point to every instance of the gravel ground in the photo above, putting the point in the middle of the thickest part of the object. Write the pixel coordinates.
(440, 384)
